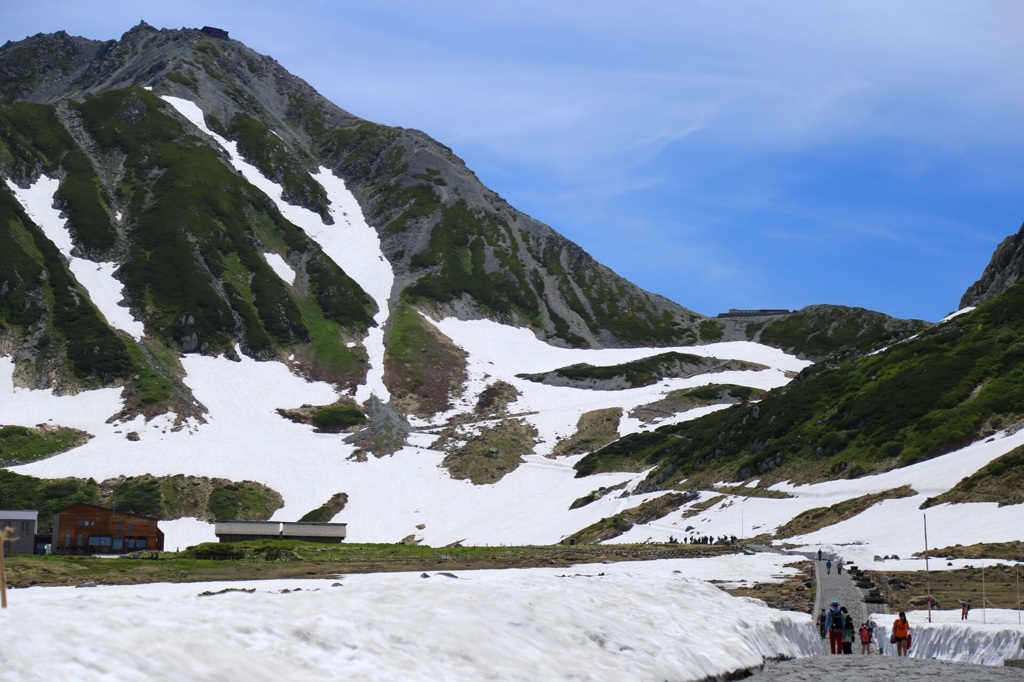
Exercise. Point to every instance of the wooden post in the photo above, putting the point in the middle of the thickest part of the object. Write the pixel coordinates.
(5, 535)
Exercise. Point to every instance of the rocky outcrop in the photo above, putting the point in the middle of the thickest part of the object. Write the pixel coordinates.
(1002, 272)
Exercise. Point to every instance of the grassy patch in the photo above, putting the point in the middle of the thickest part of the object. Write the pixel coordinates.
(1010, 551)
(22, 444)
(643, 372)
(341, 417)
(337, 418)
(245, 501)
(493, 452)
(593, 430)
(422, 368)
(711, 331)
(328, 510)
(596, 495)
(690, 398)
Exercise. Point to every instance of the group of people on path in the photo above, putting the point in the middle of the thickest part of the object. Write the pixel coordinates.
(828, 564)
(837, 624)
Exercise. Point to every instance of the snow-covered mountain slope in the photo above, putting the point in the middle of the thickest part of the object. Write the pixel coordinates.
(410, 493)
(243, 437)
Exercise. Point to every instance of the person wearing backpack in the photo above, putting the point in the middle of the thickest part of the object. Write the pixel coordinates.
(847, 631)
(821, 624)
(865, 639)
(834, 622)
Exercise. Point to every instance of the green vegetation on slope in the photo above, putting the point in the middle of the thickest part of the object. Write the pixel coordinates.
(422, 368)
(328, 510)
(919, 399)
(268, 152)
(821, 330)
(43, 296)
(33, 132)
(1001, 480)
(643, 372)
(22, 444)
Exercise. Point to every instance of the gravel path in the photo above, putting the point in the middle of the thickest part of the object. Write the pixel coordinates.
(874, 667)
(818, 668)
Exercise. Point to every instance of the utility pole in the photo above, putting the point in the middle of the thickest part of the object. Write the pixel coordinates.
(928, 575)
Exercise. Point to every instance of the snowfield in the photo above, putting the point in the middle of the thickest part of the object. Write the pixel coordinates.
(641, 620)
(625, 621)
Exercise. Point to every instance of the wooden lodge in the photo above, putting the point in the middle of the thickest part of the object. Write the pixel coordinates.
(88, 529)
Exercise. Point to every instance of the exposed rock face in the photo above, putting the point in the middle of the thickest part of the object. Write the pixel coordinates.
(1002, 272)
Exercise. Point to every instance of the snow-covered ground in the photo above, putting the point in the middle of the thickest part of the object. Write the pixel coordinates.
(615, 622)
(989, 637)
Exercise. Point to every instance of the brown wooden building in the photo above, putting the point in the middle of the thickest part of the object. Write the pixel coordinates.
(88, 529)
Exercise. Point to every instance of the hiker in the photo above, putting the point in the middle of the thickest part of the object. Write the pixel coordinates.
(819, 559)
(834, 624)
(847, 631)
(901, 634)
(865, 639)
(839, 566)
(828, 567)
(821, 624)
(965, 608)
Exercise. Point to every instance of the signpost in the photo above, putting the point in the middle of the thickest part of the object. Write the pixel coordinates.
(5, 535)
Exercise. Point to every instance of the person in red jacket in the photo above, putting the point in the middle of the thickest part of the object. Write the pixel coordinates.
(865, 639)
(901, 633)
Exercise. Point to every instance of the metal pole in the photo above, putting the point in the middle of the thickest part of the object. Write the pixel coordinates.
(927, 573)
(984, 601)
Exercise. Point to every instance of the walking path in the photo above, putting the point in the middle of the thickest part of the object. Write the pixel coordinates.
(839, 586)
(818, 668)
(833, 585)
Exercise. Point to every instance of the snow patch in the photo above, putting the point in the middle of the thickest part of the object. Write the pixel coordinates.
(280, 266)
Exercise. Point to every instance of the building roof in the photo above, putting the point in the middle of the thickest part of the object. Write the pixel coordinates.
(108, 509)
(19, 515)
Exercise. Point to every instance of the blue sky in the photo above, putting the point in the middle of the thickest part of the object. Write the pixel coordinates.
(723, 154)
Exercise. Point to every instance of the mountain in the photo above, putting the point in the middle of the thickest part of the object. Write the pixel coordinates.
(223, 295)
